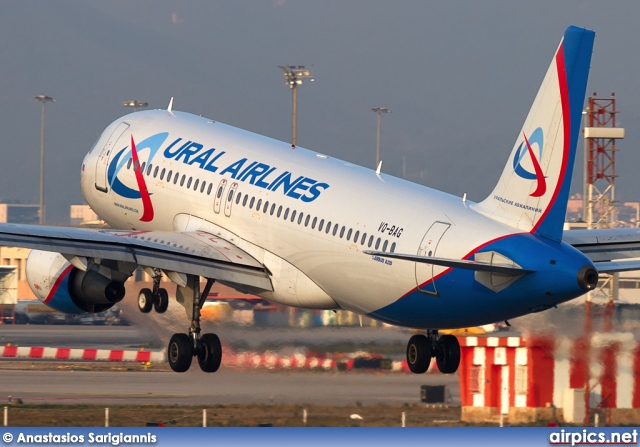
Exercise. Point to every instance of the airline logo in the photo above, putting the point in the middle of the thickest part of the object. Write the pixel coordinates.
(119, 161)
(532, 158)
(212, 160)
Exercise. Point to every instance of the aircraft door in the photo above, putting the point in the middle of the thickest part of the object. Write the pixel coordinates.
(105, 155)
(219, 196)
(229, 201)
(428, 247)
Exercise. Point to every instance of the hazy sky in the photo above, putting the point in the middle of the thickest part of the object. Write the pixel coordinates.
(459, 77)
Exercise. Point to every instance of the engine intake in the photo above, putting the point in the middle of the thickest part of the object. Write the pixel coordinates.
(66, 288)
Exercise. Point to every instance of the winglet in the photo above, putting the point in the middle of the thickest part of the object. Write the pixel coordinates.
(533, 191)
(169, 109)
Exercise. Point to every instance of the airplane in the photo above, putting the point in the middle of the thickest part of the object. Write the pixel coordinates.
(194, 199)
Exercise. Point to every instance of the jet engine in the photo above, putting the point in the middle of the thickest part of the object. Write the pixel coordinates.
(66, 288)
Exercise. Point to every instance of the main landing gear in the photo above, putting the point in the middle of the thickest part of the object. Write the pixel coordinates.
(445, 348)
(158, 298)
(183, 347)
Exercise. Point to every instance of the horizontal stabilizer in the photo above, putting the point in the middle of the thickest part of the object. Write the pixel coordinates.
(617, 266)
(456, 263)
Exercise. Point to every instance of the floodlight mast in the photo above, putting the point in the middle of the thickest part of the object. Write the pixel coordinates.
(293, 77)
(43, 99)
(135, 104)
(379, 111)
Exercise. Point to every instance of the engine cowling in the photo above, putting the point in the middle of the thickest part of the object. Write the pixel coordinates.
(65, 288)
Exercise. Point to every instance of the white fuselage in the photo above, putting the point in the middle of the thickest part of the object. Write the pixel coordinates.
(315, 260)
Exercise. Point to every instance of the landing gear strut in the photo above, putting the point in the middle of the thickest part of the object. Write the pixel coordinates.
(445, 348)
(158, 298)
(183, 347)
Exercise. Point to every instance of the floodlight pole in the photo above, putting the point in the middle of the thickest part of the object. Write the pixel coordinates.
(43, 99)
(134, 103)
(293, 77)
(379, 111)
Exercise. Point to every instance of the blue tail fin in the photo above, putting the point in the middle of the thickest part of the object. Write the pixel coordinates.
(533, 191)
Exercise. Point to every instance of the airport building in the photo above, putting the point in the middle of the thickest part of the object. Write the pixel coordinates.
(19, 213)
(539, 379)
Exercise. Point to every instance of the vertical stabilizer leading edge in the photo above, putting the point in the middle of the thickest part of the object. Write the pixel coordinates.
(533, 191)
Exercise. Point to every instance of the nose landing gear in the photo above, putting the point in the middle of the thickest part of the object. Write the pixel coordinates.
(157, 299)
(445, 348)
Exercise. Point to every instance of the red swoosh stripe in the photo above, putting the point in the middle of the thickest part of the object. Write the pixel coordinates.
(542, 183)
(56, 284)
(147, 206)
(566, 117)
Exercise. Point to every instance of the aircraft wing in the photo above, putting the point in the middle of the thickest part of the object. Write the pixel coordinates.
(610, 249)
(195, 253)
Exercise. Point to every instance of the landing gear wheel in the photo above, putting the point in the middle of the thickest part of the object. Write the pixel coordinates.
(448, 354)
(180, 352)
(210, 353)
(145, 300)
(161, 301)
(419, 354)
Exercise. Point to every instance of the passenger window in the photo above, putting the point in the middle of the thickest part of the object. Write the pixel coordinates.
(328, 227)
(169, 176)
(238, 197)
(321, 225)
(129, 163)
(355, 237)
(349, 234)
(253, 199)
(259, 205)
(230, 196)
(183, 179)
(204, 184)
(370, 241)
(279, 210)
(393, 247)
(189, 182)
(364, 239)
(266, 207)
(377, 243)
(209, 189)
(306, 221)
(162, 173)
(273, 208)
(286, 214)
(155, 173)
(149, 169)
(244, 202)
(313, 224)
(142, 167)
(293, 216)
(335, 230)
(195, 185)
(384, 246)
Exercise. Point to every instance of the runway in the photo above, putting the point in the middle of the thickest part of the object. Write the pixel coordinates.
(227, 386)
(224, 387)
(237, 337)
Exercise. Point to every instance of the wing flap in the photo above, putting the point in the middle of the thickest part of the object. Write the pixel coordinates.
(194, 253)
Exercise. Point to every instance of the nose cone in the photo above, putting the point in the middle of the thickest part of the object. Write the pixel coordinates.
(588, 277)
